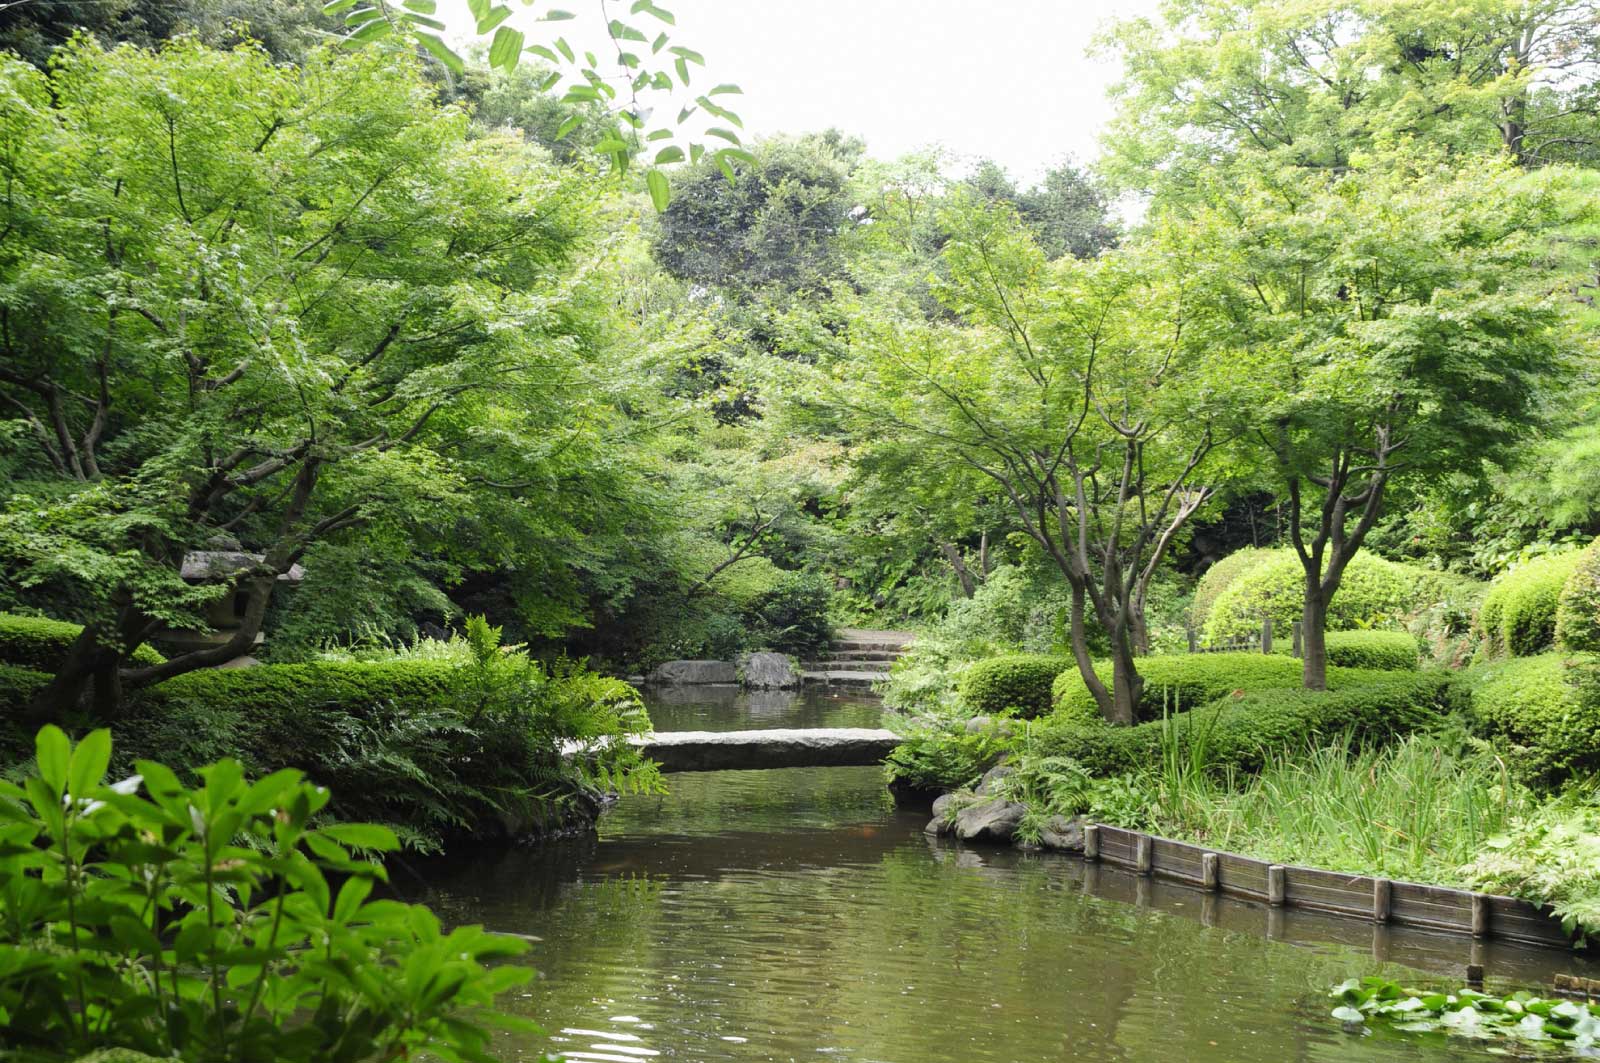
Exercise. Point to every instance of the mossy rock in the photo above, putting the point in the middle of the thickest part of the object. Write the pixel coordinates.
(1518, 614)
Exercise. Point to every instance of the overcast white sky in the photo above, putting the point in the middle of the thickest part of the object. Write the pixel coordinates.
(1004, 79)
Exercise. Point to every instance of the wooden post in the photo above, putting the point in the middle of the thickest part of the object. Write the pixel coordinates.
(1266, 635)
(1210, 868)
(1144, 854)
(1208, 909)
(1277, 885)
(1091, 842)
(1480, 915)
(1475, 975)
(1382, 891)
(1299, 648)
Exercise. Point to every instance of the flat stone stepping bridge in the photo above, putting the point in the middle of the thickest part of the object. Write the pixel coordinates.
(810, 747)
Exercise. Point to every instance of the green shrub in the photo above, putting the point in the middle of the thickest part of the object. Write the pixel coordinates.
(792, 617)
(1382, 651)
(1018, 684)
(1578, 608)
(117, 945)
(1373, 593)
(1518, 614)
(1219, 577)
(1543, 713)
(41, 644)
(945, 759)
(1240, 731)
(1181, 681)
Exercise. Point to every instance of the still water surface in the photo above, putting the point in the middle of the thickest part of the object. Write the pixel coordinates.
(797, 915)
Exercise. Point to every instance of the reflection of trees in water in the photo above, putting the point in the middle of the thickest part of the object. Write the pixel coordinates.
(729, 708)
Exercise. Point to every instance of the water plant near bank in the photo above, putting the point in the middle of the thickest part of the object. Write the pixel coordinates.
(222, 922)
(1522, 1017)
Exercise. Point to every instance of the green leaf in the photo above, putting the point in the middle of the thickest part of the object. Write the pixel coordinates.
(422, 7)
(724, 134)
(478, 8)
(53, 751)
(506, 48)
(568, 125)
(562, 45)
(688, 53)
(496, 15)
(660, 189)
(442, 52)
(1348, 1014)
(649, 8)
(362, 836)
(683, 71)
(542, 52)
(725, 90)
(669, 154)
(89, 762)
(655, 46)
(338, 7)
(557, 15)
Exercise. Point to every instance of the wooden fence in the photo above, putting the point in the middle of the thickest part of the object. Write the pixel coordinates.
(1379, 900)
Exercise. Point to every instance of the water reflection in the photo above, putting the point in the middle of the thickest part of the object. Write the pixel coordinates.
(795, 914)
(728, 708)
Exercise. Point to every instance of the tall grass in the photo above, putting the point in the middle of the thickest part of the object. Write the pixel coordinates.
(1415, 809)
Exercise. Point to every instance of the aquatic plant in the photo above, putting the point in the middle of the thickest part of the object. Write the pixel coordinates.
(1520, 1017)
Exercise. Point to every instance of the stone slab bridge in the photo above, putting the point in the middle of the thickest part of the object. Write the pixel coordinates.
(810, 747)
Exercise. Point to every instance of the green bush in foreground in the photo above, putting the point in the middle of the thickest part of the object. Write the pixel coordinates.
(1241, 732)
(1578, 608)
(1518, 614)
(200, 925)
(1542, 712)
(1019, 684)
(1181, 681)
(41, 644)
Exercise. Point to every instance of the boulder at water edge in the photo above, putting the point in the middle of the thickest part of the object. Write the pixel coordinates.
(990, 820)
(694, 673)
(769, 671)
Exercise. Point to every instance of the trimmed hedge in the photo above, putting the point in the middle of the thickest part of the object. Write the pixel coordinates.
(1373, 592)
(1382, 651)
(1518, 614)
(1182, 681)
(1241, 732)
(1019, 683)
(1222, 575)
(1543, 712)
(41, 644)
(1578, 609)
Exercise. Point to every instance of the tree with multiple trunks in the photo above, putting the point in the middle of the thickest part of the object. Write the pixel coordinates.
(1091, 395)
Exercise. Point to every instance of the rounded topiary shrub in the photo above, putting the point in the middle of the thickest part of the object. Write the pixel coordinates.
(1219, 577)
(1018, 684)
(41, 644)
(1373, 593)
(1578, 608)
(1518, 614)
(1543, 713)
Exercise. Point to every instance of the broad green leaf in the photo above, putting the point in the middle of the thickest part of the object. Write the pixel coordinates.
(497, 14)
(89, 762)
(660, 189)
(570, 123)
(362, 835)
(53, 751)
(669, 154)
(422, 7)
(442, 52)
(726, 89)
(506, 48)
(724, 134)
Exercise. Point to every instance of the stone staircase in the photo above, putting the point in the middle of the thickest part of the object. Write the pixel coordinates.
(857, 658)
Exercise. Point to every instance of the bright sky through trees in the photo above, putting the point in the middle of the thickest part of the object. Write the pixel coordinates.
(1008, 80)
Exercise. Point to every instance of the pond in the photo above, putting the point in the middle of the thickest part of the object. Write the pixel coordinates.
(797, 915)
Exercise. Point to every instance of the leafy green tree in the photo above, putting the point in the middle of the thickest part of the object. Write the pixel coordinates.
(286, 28)
(1402, 329)
(283, 306)
(1068, 212)
(1089, 394)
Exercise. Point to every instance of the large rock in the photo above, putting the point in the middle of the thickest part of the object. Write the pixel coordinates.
(989, 785)
(940, 824)
(989, 820)
(770, 671)
(695, 673)
(1062, 834)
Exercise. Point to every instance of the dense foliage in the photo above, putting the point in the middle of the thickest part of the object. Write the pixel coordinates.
(1543, 713)
(1518, 614)
(1018, 685)
(220, 922)
(1578, 609)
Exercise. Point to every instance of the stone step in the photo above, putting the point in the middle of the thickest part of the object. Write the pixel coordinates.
(879, 668)
(865, 645)
(840, 678)
(837, 654)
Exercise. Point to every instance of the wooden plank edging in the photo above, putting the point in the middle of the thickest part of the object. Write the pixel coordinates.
(1380, 900)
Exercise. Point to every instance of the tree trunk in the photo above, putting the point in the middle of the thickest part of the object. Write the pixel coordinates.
(1313, 632)
(969, 585)
(56, 700)
(1127, 685)
(1139, 626)
(1080, 652)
